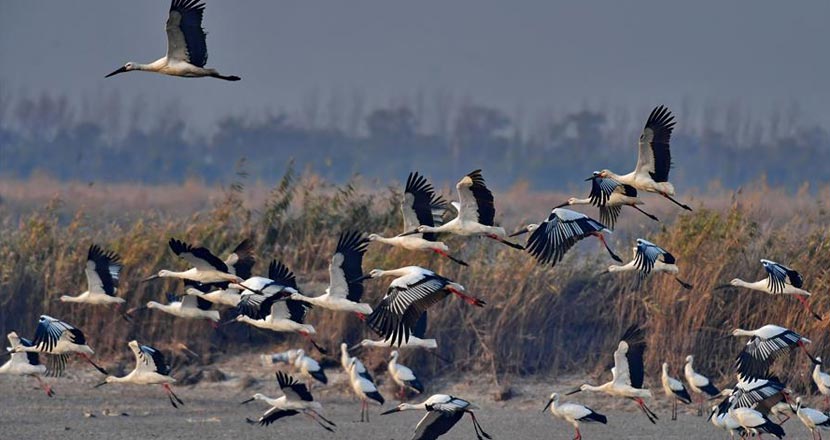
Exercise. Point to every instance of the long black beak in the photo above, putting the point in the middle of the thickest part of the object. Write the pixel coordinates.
(100, 384)
(590, 178)
(361, 278)
(393, 410)
(121, 69)
(561, 205)
(150, 278)
(412, 232)
(573, 391)
(519, 232)
(711, 413)
(247, 401)
(547, 405)
(353, 347)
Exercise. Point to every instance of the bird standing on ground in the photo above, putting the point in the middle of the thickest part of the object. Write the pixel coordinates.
(443, 412)
(150, 369)
(674, 390)
(654, 158)
(25, 364)
(550, 240)
(822, 381)
(573, 413)
(186, 45)
(815, 420)
(364, 388)
(403, 376)
(698, 383)
(420, 206)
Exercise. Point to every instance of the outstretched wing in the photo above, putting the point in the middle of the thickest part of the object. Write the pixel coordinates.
(398, 312)
(601, 189)
(347, 265)
(759, 354)
(281, 274)
(654, 149)
(559, 233)
(647, 255)
(241, 261)
(421, 206)
(476, 200)
(50, 330)
(292, 388)
(778, 275)
(186, 39)
(199, 257)
(148, 358)
(102, 270)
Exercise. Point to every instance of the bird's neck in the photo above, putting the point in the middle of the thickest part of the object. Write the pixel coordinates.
(392, 240)
(742, 332)
(395, 272)
(73, 299)
(579, 202)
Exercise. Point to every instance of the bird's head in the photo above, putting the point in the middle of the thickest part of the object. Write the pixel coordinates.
(153, 305)
(665, 367)
(602, 173)
(374, 273)
(373, 237)
(109, 379)
(394, 355)
(818, 360)
(712, 413)
(399, 408)
(125, 68)
(256, 396)
(133, 344)
(554, 398)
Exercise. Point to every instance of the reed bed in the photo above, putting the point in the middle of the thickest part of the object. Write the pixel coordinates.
(538, 320)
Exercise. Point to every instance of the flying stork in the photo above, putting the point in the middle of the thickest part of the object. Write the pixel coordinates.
(57, 339)
(648, 258)
(187, 307)
(745, 407)
(552, 239)
(150, 369)
(420, 206)
(628, 372)
(654, 159)
(781, 280)
(364, 388)
(815, 420)
(207, 267)
(822, 381)
(345, 283)
(285, 316)
(609, 196)
(186, 45)
(296, 399)
(102, 271)
(403, 376)
(258, 293)
(416, 338)
(476, 212)
(443, 412)
(409, 296)
(698, 383)
(764, 346)
(25, 364)
(573, 413)
(675, 390)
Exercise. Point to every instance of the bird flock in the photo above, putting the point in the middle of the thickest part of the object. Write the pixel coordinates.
(226, 292)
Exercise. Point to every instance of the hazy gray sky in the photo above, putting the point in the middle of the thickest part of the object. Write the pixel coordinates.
(529, 54)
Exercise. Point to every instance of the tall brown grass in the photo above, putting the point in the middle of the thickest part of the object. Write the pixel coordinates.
(538, 320)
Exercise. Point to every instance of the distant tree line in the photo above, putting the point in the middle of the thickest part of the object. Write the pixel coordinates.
(100, 140)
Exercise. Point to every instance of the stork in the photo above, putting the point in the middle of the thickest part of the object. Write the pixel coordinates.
(410, 294)
(222, 296)
(285, 316)
(648, 258)
(780, 280)
(240, 263)
(25, 364)
(720, 417)
(815, 420)
(307, 366)
(403, 376)
(628, 372)
(364, 388)
(764, 346)
(754, 422)
(187, 307)
(674, 390)
(654, 159)
(258, 293)
(751, 400)
(420, 206)
(416, 338)
(102, 271)
(698, 383)
(186, 46)
(822, 381)
(296, 399)
(552, 239)
(57, 339)
(443, 412)
(150, 369)
(573, 413)
(345, 283)
(207, 267)
(347, 361)
(609, 196)
(476, 212)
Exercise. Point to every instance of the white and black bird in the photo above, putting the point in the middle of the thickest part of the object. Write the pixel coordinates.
(240, 263)
(346, 361)
(207, 267)
(287, 316)
(649, 258)
(420, 206)
(745, 407)
(698, 383)
(609, 196)
(186, 45)
(345, 284)
(822, 381)
(296, 399)
(150, 369)
(780, 280)
(628, 372)
(403, 376)
(58, 339)
(756, 423)
(364, 388)
(675, 390)
(409, 295)
(258, 293)
(550, 240)
(720, 417)
(654, 158)
(186, 306)
(102, 271)
(25, 364)
(417, 338)
(307, 366)
(573, 413)
(764, 346)
(815, 420)
(443, 412)
(476, 213)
